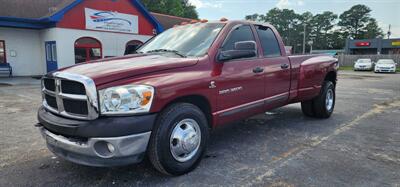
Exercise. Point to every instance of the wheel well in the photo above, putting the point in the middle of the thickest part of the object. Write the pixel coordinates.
(200, 101)
(331, 76)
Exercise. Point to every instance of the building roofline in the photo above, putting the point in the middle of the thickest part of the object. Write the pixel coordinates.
(147, 14)
(177, 17)
(50, 21)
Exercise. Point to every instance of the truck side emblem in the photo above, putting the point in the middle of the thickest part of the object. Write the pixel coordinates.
(230, 90)
(212, 84)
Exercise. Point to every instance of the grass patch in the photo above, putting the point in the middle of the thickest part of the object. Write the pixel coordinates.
(345, 68)
(351, 68)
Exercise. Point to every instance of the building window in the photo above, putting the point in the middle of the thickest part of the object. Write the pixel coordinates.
(86, 49)
(132, 46)
(2, 52)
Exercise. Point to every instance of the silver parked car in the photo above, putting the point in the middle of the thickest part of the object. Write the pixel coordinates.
(363, 64)
(385, 65)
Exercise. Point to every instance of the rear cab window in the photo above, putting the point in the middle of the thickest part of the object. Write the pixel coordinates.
(268, 40)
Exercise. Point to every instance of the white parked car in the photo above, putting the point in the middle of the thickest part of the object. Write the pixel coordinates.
(385, 65)
(363, 64)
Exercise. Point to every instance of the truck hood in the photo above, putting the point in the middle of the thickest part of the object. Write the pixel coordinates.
(108, 70)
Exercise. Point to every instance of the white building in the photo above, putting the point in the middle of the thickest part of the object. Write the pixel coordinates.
(41, 37)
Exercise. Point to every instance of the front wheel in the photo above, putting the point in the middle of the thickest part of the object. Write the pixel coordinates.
(179, 139)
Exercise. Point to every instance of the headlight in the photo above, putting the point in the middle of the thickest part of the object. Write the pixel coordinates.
(127, 99)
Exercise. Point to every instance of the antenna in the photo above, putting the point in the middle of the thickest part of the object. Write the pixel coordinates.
(389, 33)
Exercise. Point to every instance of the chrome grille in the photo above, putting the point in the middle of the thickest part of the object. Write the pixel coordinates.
(70, 95)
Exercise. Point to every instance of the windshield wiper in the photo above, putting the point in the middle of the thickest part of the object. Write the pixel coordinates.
(167, 50)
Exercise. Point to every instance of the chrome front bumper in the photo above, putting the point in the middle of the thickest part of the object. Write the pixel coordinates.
(110, 151)
(386, 70)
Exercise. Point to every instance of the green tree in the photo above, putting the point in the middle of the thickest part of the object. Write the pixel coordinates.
(324, 29)
(189, 10)
(354, 20)
(305, 19)
(253, 17)
(372, 30)
(285, 21)
(181, 8)
(337, 39)
(321, 25)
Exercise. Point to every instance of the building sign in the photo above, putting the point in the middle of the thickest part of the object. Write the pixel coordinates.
(363, 44)
(111, 21)
(396, 43)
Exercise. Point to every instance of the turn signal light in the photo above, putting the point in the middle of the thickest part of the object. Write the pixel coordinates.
(146, 98)
(204, 21)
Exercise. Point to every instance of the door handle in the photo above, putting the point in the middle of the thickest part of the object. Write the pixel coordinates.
(284, 66)
(258, 70)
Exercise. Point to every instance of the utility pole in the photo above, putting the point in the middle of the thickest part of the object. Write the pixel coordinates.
(310, 43)
(304, 39)
(288, 39)
(389, 33)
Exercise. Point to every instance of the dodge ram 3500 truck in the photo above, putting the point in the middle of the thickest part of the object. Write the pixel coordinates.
(162, 101)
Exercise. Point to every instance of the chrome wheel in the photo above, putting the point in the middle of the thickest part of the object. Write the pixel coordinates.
(329, 99)
(185, 140)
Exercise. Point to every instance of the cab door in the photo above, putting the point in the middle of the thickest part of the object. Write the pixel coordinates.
(277, 69)
(240, 85)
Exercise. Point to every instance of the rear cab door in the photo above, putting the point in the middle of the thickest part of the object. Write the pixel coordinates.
(239, 88)
(276, 65)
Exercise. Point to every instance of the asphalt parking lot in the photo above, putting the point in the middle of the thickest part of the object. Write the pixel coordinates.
(358, 146)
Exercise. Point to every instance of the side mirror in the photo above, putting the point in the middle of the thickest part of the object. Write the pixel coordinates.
(245, 45)
(243, 49)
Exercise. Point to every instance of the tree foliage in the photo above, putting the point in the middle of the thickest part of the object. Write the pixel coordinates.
(181, 8)
(355, 21)
(327, 30)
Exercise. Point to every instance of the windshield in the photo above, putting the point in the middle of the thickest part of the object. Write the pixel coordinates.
(385, 62)
(364, 60)
(185, 40)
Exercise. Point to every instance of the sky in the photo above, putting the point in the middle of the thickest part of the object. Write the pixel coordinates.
(384, 11)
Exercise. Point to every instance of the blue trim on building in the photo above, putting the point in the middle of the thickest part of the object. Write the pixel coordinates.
(47, 22)
(60, 14)
(147, 14)
(30, 23)
(25, 24)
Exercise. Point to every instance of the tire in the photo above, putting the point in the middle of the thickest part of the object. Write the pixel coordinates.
(179, 117)
(320, 104)
(307, 107)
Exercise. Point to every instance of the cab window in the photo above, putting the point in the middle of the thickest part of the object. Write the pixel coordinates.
(239, 34)
(269, 43)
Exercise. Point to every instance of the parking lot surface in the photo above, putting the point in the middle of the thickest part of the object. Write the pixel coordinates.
(358, 146)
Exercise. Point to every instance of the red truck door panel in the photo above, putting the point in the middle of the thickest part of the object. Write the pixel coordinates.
(240, 86)
(277, 69)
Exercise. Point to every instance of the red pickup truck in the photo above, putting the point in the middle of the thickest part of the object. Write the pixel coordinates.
(163, 101)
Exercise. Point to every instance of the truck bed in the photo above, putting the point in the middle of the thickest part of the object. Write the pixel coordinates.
(307, 75)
